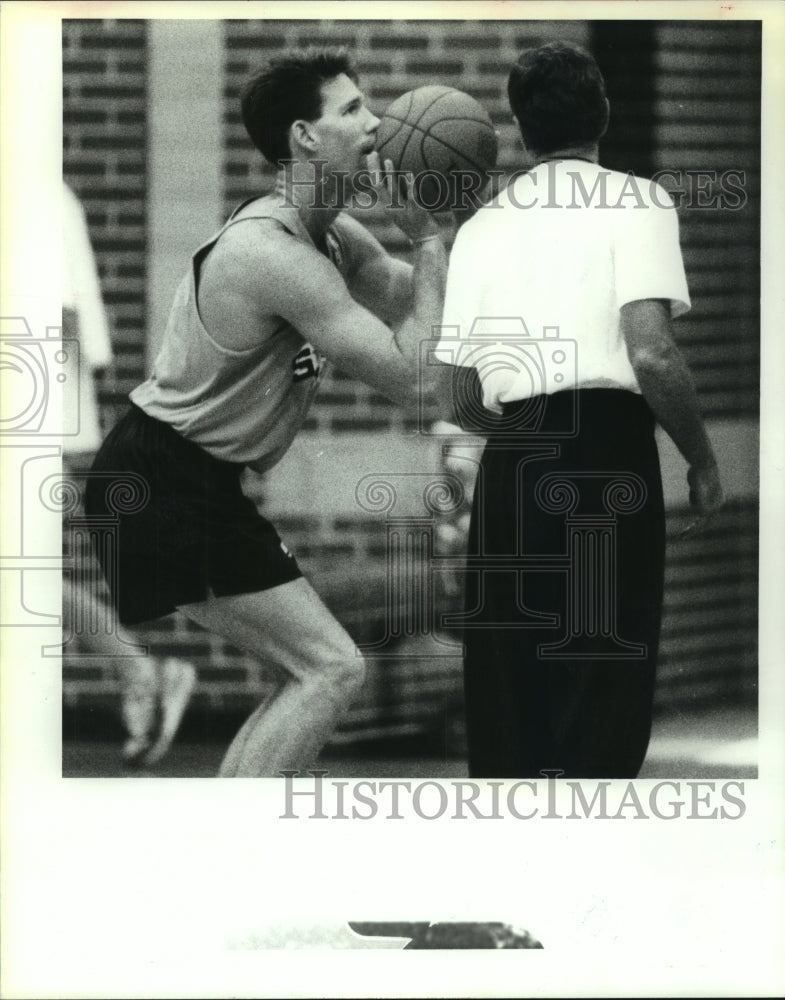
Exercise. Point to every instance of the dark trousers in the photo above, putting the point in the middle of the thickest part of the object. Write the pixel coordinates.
(562, 632)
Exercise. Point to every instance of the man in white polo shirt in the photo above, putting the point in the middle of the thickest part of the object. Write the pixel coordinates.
(560, 294)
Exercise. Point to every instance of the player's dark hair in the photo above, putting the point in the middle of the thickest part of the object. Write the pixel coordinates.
(288, 89)
(557, 93)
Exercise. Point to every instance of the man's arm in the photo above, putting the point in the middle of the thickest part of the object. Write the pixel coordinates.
(667, 386)
(378, 281)
(292, 280)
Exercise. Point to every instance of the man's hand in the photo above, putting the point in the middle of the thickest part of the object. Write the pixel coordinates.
(706, 496)
(412, 219)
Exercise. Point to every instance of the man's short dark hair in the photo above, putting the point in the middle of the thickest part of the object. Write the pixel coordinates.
(557, 94)
(285, 91)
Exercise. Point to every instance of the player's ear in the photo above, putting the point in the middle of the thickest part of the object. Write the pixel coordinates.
(302, 136)
(607, 117)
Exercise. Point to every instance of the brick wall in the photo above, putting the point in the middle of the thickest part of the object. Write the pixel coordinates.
(104, 161)
(707, 108)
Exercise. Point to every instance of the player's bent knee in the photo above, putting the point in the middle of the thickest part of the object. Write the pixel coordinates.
(345, 676)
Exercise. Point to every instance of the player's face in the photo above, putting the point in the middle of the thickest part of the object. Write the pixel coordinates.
(346, 131)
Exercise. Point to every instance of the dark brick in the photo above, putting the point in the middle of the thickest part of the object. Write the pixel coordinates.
(335, 549)
(110, 244)
(360, 424)
(398, 42)
(124, 91)
(122, 141)
(495, 68)
(113, 194)
(128, 168)
(112, 42)
(436, 67)
(125, 297)
(75, 117)
(468, 42)
(528, 41)
(223, 675)
(374, 67)
(369, 525)
(328, 40)
(86, 169)
(234, 42)
(482, 93)
(384, 92)
(84, 65)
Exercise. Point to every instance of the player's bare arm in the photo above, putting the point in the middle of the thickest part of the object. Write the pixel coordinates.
(256, 278)
(667, 386)
(378, 281)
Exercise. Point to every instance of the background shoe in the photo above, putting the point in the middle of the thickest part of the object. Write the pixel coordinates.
(178, 680)
(139, 693)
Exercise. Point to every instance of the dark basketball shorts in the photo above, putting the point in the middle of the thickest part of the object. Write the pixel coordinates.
(175, 523)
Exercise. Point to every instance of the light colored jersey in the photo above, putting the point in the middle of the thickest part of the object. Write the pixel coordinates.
(246, 405)
(538, 276)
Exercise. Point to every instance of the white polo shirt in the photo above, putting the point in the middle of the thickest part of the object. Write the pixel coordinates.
(538, 276)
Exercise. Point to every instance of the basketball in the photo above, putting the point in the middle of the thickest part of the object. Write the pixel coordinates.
(442, 136)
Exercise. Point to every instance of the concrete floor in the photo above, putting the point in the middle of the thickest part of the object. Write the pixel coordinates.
(709, 744)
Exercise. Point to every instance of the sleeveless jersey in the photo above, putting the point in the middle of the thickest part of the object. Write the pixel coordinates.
(242, 406)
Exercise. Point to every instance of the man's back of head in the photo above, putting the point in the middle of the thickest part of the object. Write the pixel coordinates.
(557, 94)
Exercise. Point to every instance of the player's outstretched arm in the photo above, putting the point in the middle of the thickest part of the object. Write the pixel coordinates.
(296, 282)
(667, 386)
(378, 281)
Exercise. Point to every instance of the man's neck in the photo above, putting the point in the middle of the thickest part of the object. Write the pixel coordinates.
(588, 153)
(304, 185)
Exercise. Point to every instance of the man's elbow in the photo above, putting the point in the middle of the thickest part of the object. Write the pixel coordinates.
(654, 361)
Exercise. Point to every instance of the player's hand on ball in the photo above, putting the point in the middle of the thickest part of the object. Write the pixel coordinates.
(706, 495)
(374, 167)
(411, 218)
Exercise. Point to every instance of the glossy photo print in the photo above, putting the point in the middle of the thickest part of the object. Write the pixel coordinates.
(355, 563)
(390, 423)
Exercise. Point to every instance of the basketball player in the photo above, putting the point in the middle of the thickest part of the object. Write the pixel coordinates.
(288, 282)
(560, 656)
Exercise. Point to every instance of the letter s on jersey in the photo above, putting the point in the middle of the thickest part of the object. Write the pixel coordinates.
(306, 364)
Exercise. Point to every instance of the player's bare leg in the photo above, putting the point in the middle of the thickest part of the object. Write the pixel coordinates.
(289, 626)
